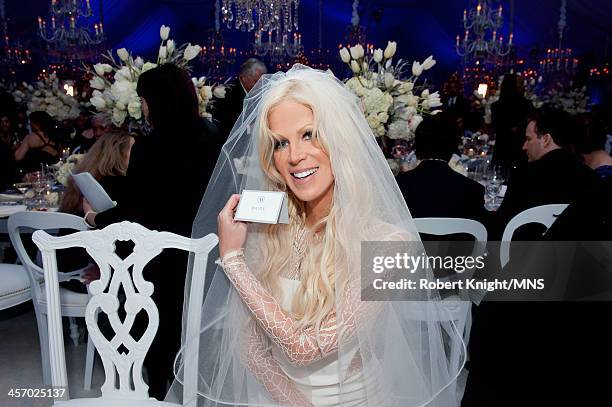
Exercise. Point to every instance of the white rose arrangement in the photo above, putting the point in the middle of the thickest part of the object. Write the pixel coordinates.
(390, 104)
(63, 170)
(571, 99)
(114, 83)
(48, 96)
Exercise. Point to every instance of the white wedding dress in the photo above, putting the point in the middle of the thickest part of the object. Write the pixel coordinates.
(319, 381)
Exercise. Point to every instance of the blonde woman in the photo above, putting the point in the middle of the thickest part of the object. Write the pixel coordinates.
(286, 320)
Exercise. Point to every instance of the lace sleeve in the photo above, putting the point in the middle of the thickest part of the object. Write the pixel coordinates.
(259, 360)
(301, 346)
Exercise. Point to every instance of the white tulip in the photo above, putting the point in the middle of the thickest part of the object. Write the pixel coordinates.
(364, 66)
(138, 62)
(345, 55)
(191, 52)
(101, 69)
(357, 51)
(97, 83)
(425, 94)
(355, 66)
(389, 80)
(170, 46)
(219, 92)
(417, 69)
(428, 63)
(390, 49)
(164, 32)
(163, 53)
(407, 86)
(123, 53)
(378, 55)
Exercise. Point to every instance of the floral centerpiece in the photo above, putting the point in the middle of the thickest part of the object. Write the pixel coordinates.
(46, 95)
(390, 104)
(393, 106)
(569, 98)
(114, 82)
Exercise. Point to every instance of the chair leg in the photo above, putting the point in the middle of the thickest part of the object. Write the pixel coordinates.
(43, 337)
(74, 331)
(89, 362)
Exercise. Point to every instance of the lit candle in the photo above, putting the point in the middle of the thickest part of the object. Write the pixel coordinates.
(499, 11)
(457, 43)
(101, 28)
(97, 30)
(88, 6)
(40, 23)
(72, 22)
(511, 36)
(466, 36)
(494, 35)
(269, 37)
(53, 22)
(478, 8)
(464, 15)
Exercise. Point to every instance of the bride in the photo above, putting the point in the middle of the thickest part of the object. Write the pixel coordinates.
(288, 319)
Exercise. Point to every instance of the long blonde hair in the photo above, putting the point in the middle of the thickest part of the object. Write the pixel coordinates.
(323, 275)
(107, 157)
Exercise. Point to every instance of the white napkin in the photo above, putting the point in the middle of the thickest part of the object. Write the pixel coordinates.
(8, 210)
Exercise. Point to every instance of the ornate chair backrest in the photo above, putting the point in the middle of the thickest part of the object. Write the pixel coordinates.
(116, 273)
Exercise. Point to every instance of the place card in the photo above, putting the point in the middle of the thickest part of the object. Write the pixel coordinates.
(262, 207)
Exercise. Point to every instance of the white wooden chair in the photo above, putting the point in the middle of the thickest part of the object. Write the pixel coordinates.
(461, 311)
(15, 287)
(130, 389)
(544, 214)
(450, 226)
(72, 304)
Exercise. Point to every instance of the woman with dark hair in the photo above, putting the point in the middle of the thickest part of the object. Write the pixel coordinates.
(38, 147)
(589, 132)
(509, 118)
(166, 178)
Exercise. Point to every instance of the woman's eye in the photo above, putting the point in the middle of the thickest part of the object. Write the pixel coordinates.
(280, 144)
(307, 135)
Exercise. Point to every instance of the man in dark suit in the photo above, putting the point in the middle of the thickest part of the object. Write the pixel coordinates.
(228, 109)
(552, 175)
(433, 189)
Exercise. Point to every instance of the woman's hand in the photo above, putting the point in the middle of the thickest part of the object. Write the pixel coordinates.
(90, 214)
(91, 273)
(232, 233)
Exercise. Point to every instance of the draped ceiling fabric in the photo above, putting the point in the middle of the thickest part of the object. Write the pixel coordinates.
(421, 27)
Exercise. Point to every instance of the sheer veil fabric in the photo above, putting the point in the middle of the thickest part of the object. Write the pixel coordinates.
(387, 353)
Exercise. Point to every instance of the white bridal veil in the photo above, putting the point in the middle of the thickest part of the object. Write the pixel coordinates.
(407, 346)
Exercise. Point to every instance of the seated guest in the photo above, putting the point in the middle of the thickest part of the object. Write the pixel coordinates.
(100, 124)
(433, 189)
(39, 147)
(553, 175)
(590, 141)
(107, 160)
(229, 108)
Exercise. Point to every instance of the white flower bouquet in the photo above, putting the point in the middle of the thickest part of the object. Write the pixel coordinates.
(47, 96)
(114, 83)
(63, 170)
(569, 98)
(390, 104)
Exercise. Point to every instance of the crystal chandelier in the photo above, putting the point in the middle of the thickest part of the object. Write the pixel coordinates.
(277, 20)
(216, 57)
(482, 40)
(69, 34)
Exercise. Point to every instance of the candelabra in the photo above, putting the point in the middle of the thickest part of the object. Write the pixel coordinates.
(216, 57)
(278, 47)
(69, 35)
(559, 60)
(482, 40)
(12, 54)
